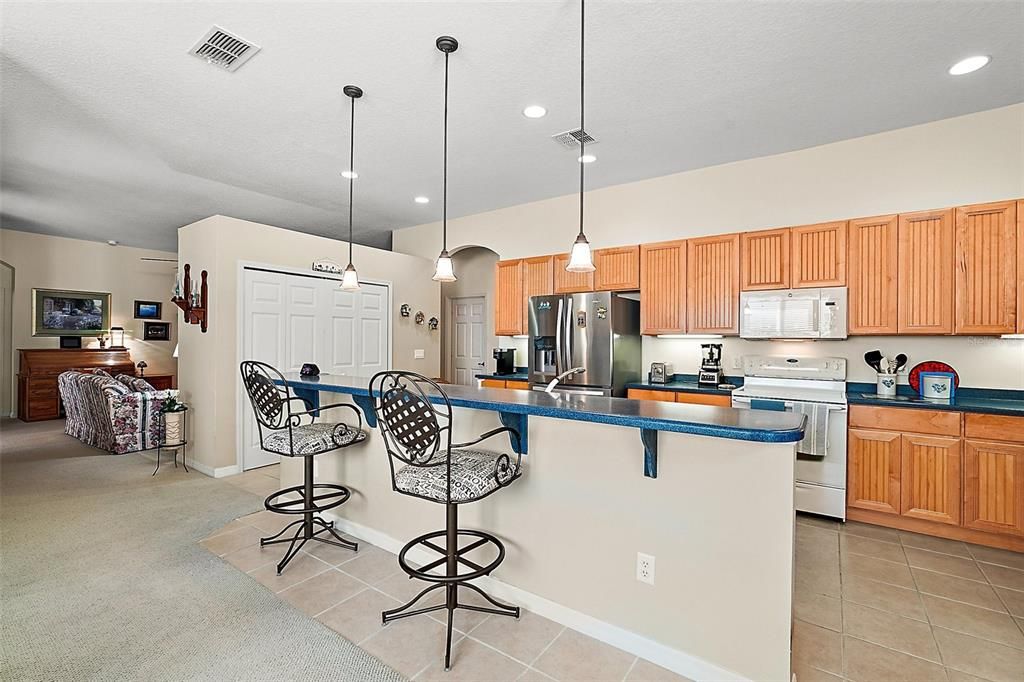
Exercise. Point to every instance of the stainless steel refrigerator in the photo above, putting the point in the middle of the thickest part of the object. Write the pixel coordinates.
(598, 332)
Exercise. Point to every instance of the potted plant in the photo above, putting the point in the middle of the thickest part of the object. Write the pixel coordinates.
(174, 421)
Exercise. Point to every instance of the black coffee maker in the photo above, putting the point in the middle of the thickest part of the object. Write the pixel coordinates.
(504, 361)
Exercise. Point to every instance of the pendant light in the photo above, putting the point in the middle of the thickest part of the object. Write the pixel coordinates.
(350, 280)
(444, 272)
(580, 258)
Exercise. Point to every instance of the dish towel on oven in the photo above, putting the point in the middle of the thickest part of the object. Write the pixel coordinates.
(815, 440)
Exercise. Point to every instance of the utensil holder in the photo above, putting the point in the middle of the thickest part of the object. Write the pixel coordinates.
(886, 385)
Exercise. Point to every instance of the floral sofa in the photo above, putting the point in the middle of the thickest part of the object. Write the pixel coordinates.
(119, 414)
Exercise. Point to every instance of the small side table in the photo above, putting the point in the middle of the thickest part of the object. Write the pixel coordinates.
(172, 435)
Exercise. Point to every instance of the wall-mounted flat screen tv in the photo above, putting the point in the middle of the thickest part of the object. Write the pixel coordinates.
(69, 313)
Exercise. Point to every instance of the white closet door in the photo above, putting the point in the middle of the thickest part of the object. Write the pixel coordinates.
(306, 322)
(265, 334)
(341, 324)
(372, 323)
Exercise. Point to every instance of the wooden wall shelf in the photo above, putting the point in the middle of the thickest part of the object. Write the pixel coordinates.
(193, 314)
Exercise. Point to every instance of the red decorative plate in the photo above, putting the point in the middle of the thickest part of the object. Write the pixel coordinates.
(930, 366)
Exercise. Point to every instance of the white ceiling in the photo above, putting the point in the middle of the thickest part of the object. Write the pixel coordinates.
(112, 131)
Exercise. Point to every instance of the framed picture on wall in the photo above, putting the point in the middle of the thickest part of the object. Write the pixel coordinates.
(156, 331)
(148, 310)
(64, 312)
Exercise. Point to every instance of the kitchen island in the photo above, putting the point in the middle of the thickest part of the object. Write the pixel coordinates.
(707, 491)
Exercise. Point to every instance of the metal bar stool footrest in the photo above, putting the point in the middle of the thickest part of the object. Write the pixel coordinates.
(337, 495)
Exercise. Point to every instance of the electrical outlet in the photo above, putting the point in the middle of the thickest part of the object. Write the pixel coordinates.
(645, 568)
(418, 354)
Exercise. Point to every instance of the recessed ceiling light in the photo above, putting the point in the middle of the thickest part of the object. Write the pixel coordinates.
(349, 174)
(587, 158)
(534, 111)
(969, 65)
(113, 242)
(422, 200)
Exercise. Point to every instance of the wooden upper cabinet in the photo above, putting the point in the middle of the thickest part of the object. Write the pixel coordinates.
(930, 478)
(925, 275)
(663, 288)
(618, 269)
(819, 255)
(874, 470)
(765, 260)
(1020, 266)
(872, 265)
(538, 280)
(986, 268)
(994, 486)
(571, 282)
(508, 298)
(713, 284)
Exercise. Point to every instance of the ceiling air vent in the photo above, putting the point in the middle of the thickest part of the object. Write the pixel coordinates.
(224, 49)
(570, 139)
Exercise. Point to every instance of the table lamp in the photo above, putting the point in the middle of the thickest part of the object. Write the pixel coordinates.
(117, 337)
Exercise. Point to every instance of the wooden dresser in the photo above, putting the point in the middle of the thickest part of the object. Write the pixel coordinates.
(38, 397)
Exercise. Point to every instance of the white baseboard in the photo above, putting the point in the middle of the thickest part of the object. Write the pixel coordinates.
(212, 472)
(672, 659)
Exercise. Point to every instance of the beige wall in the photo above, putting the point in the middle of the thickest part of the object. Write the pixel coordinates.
(209, 362)
(962, 160)
(41, 261)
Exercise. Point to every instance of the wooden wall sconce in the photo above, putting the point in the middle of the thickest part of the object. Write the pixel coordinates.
(193, 304)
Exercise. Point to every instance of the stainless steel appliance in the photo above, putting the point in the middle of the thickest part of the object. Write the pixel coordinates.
(710, 365)
(793, 314)
(815, 387)
(598, 332)
(661, 372)
(504, 361)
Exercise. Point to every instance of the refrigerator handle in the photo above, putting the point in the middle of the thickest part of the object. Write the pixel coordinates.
(559, 351)
(568, 335)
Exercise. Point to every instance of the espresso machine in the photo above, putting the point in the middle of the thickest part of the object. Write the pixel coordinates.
(711, 364)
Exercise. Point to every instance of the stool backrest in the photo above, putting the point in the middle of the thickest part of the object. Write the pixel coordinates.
(414, 427)
(270, 401)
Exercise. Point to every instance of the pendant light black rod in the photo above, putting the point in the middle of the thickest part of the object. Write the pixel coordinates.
(351, 172)
(444, 191)
(583, 130)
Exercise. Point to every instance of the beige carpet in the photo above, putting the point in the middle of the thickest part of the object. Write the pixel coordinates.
(101, 577)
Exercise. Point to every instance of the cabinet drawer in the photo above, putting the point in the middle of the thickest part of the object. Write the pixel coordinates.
(704, 399)
(39, 408)
(518, 385)
(42, 391)
(642, 394)
(912, 420)
(994, 427)
(492, 383)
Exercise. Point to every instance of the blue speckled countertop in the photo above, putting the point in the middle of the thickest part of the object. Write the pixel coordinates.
(521, 374)
(977, 400)
(687, 383)
(718, 422)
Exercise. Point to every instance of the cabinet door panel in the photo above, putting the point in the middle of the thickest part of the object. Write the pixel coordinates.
(872, 268)
(764, 261)
(930, 478)
(819, 255)
(874, 470)
(713, 399)
(645, 394)
(994, 486)
(986, 268)
(713, 284)
(926, 272)
(1020, 266)
(492, 383)
(618, 269)
(663, 288)
(571, 282)
(538, 280)
(508, 298)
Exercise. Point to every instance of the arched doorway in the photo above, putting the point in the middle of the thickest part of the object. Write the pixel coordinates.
(467, 317)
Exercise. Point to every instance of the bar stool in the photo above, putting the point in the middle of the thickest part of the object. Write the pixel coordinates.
(415, 417)
(271, 398)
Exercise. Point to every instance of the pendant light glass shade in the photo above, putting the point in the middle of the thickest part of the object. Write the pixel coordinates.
(350, 280)
(580, 259)
(443, 271)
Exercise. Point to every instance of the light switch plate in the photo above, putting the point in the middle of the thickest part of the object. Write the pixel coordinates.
(418, 354)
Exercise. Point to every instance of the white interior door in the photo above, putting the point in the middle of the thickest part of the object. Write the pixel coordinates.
(467, 339)
(291, 319)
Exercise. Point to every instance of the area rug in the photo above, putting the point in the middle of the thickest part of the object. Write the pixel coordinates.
(101, 577)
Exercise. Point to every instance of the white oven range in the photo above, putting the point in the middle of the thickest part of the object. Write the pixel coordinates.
(817, 388)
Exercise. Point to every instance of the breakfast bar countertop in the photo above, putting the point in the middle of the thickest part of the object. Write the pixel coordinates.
(701, 420)
(972, 400)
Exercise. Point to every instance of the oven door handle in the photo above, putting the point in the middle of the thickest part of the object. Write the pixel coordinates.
(746, 401)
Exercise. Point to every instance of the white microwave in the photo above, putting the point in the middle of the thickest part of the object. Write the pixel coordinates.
(793, 314)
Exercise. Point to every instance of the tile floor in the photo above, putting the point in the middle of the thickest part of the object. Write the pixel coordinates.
(871, 605)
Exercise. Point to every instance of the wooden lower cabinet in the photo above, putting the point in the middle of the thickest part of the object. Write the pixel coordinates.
(501, 383)
(965, 484)
(643, 394)
(518, 385)
(492, 383)
(873, 465)
(994, 486)
(930, 478)
(712, 399)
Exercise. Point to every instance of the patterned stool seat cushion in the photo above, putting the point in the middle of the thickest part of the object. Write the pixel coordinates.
(475, 473)
(312, 439)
